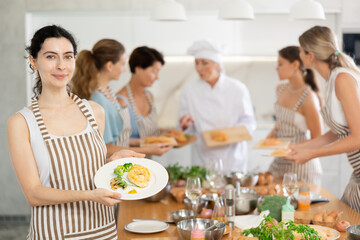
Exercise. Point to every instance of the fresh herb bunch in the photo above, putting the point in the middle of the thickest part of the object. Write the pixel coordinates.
(177, 172)
(269, 230)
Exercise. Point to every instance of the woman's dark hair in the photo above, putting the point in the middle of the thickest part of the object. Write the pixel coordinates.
(292, 54)
(51, 31)
(144, 57)
(89, 64)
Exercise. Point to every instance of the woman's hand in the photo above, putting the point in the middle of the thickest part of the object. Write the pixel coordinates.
(186, 121)
(158, 149)
(125, 153)
(300, 155)
(105, 197)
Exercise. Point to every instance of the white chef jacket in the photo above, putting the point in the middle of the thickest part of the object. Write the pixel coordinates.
(227, 104)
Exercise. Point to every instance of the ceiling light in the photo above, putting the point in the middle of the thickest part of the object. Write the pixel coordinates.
(169, 10)
(307, 10)
(236, 10)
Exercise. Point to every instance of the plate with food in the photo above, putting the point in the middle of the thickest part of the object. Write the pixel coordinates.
(273, 143)
(134, 178)
(181, 138)
(157, 139)
(281, 152)
(326, 232)
(224, 136)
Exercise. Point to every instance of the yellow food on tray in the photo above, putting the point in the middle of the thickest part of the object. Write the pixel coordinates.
(139, 175)
(270, 142)
(219, 136)
(160, 139)
(281, 152)
(177, 134)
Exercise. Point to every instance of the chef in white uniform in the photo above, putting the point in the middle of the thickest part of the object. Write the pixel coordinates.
(215, 101)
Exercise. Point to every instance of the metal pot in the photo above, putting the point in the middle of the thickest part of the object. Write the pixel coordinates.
(246, 201)
(160, 195)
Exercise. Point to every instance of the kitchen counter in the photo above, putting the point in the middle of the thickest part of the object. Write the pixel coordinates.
(162, 211)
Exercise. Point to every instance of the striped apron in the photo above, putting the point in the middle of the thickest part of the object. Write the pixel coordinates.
(351, 194)
(74, 160)
(124, 138)
(147, 125)
(286, 128)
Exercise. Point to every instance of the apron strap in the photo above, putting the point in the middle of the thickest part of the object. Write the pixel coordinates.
(39, 119)
(301, 99)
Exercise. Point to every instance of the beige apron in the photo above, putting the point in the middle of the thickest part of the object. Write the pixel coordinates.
(124, 138)
(147, 125)
(74, 160)
(310, 171)
(351, 194)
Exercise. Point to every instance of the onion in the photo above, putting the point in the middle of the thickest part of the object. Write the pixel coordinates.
(180, 183)
(206, 213)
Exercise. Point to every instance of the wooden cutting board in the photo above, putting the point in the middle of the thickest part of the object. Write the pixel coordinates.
(172, 142)
(284, 143)
(189, 140)
(235, 134)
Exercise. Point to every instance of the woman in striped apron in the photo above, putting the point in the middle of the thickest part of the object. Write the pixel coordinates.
(145, 64)
(297, 112)
(94, 71)
(319, 50)
(56, 147)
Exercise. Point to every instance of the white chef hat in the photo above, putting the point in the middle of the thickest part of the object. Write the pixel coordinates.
(207, 49)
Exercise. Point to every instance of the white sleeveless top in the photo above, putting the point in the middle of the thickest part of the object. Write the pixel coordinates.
(332, 102)
(38, 146)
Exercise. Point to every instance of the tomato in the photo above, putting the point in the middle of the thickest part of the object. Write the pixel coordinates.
(342, 225)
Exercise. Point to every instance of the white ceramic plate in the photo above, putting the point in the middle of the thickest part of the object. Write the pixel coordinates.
(158, 180)
(335, 233)
(313, 196)
(146, 226)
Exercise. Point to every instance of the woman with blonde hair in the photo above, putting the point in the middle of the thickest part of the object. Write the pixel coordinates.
(297, 112)
(341, 111)
(94, 71)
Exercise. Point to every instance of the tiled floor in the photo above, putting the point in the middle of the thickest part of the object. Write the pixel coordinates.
(13, 231)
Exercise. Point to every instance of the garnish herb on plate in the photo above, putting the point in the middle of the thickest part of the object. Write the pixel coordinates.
(119, 171)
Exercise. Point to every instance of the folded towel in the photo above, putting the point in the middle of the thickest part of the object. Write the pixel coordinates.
(249, 221)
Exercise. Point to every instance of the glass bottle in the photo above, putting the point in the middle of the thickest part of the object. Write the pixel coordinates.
(304, 198)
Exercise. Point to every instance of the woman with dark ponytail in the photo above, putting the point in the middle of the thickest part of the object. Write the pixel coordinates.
(341, 111)
(56, 147)
(297, 113)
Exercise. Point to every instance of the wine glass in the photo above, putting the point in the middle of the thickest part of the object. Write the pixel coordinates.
(214, 173)
(193, 190)
(290, 184)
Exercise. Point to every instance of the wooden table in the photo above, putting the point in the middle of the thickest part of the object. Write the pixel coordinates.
(162, 211)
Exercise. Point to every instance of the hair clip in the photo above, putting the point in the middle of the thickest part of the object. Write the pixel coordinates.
(336, 53)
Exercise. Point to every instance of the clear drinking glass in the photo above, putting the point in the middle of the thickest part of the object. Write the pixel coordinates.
(215, 173)
(193, 189)
(290, 184)
(219, 210)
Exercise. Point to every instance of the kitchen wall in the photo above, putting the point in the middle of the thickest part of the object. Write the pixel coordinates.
(91, 20)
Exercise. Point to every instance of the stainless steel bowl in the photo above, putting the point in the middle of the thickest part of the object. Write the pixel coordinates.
(183, 214)
(186, 226)
(246, 202)
(353, 232)
(245, 179)
(210, 199)
(197, 205)
(160, 195)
